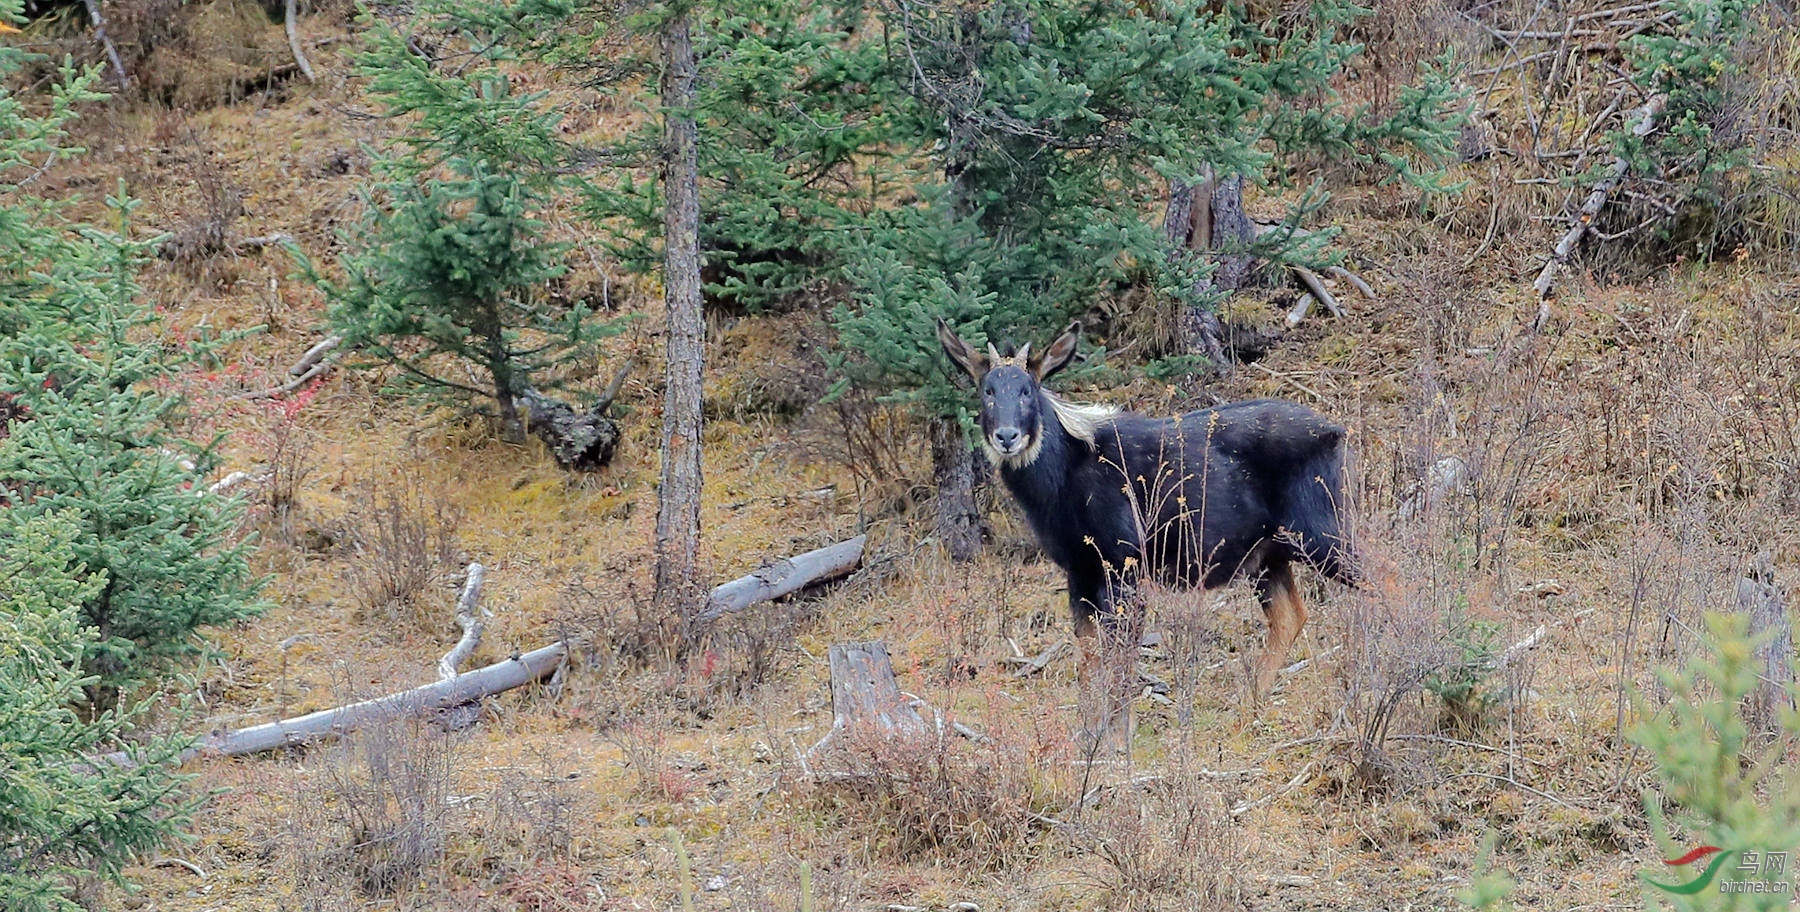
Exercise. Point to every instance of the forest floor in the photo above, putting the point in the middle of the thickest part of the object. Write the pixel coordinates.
(1621, 468)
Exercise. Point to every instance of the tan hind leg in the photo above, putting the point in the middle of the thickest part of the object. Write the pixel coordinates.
(1281, 604)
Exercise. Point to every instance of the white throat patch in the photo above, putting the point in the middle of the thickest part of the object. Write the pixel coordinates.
(1080, 421)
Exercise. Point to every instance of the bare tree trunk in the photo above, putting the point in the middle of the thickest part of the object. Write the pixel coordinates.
(953, 472)
(678, 500)
(112, 52)
(1193, 219)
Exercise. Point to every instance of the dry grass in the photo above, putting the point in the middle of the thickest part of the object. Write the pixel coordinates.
(1633, 458)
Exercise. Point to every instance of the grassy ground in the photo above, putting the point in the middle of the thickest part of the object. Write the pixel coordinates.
(1620, 468)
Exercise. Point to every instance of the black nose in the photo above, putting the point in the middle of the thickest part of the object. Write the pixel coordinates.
(1006, 438)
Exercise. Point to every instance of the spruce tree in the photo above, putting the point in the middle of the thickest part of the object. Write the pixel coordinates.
(449, 268)
(78, 795)
(87, 429)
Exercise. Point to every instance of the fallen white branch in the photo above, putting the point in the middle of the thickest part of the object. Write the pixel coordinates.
(464, 688)
(315, 354)
(1517, 650)
(1302, 665)
(468, 617)
(1301, 308)
(1293, 783)
(293, 38)
(1034, 665)
(1310, 281)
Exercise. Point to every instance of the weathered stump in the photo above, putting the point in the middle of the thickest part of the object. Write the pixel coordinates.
(578, 440)
(864, 693)
(1759, 598)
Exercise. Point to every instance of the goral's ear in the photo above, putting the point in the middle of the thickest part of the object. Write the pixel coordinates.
(961, 352)
(1058, 355)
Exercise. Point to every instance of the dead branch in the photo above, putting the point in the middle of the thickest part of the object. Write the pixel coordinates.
(1310, 281)
(266, 240)
(782, 578)
(612, 389)
(315, 354)
(1517, 650)
(1643, 122)
(112, 53)
(1031, 666)
(1355, 280)
(1303, 664)
(293, 39)
(230, 482)
(469, 618)
(1292, 784)
(276, 392)
(1302, 308)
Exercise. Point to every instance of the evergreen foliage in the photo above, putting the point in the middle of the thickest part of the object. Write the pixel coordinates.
(1692, 169)
(65, 813)
(87, 435)
(1056, 127)
(1731, 791)
(795, 150)
(451, 264)
(1694, 64)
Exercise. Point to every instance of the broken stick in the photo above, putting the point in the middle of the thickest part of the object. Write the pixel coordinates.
(468, 617)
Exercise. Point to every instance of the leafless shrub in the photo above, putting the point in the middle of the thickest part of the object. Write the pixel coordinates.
(215, 204)
(940, 794)
(405, 544)
(643, 740)
(533, 810)
(883, 449)
(377, 815)
(1169, 844)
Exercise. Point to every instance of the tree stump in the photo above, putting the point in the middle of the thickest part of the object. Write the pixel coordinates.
(579, 440)
(864, 694)
(1760, 599)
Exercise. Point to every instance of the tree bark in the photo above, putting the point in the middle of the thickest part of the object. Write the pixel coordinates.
(1189, 227)
(953, 471)
(678, 499)
(783, 578)
(1759, 599)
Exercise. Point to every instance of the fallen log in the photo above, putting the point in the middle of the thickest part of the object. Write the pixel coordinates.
(783, 578)
(1643, 123)
(464, 688)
